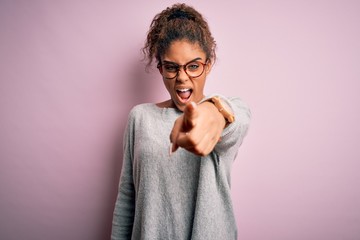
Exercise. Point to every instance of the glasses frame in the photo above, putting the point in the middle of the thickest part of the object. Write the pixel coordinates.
(160, 65)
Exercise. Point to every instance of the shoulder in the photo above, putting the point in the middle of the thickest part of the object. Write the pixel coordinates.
(142, 109)
(139, 114)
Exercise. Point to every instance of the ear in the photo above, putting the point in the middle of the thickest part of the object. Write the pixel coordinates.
(208, 67)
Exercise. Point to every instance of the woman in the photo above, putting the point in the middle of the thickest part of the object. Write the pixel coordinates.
(184, 194)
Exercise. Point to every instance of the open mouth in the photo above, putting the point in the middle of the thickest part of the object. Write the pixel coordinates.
(184, 94)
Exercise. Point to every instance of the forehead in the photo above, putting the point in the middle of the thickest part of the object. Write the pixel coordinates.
(183, 51)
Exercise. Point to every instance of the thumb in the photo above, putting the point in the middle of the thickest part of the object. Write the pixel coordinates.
(190, 114)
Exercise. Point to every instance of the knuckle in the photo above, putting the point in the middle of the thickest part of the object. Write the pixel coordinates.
(192, 141)
(199, 151)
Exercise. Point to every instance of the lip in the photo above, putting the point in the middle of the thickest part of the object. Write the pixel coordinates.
(183, 100)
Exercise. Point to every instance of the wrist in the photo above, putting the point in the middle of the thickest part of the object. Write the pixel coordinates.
(222, 106)
(213, 111)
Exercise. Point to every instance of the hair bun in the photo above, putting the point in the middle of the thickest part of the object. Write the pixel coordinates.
(180, 14)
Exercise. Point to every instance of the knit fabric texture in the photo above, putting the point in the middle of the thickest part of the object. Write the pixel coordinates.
(178, 196)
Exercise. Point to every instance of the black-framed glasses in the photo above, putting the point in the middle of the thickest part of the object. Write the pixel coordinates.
(171, 70)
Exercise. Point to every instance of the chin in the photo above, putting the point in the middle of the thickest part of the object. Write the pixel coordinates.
(180, 107)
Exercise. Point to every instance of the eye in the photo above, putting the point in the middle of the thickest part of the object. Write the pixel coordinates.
(170, 68)
(193, 66)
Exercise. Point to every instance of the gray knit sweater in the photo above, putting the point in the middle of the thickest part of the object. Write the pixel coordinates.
(182, 196)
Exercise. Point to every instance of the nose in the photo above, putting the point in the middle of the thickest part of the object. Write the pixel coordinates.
(182, 75)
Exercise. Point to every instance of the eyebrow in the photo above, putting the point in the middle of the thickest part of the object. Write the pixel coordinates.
(169, 62)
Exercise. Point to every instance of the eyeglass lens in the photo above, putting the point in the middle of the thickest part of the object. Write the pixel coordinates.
(193, 69)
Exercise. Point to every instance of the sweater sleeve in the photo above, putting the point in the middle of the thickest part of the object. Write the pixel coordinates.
(235, 132)
(124, 211)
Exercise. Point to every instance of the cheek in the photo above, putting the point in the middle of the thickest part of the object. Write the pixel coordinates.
(200, 84)
(168, 85)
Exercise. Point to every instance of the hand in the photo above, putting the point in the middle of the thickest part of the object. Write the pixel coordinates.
(198, 129)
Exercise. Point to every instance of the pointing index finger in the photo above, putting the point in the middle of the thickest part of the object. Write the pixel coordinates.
(190, 113)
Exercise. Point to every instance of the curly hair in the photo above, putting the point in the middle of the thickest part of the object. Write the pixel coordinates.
(178, 22)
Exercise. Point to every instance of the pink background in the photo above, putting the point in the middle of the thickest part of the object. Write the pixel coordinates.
(71, 71)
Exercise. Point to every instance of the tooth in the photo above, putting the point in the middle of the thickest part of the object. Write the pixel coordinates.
(184, 90)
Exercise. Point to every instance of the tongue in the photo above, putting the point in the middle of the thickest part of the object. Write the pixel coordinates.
(184, 95)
